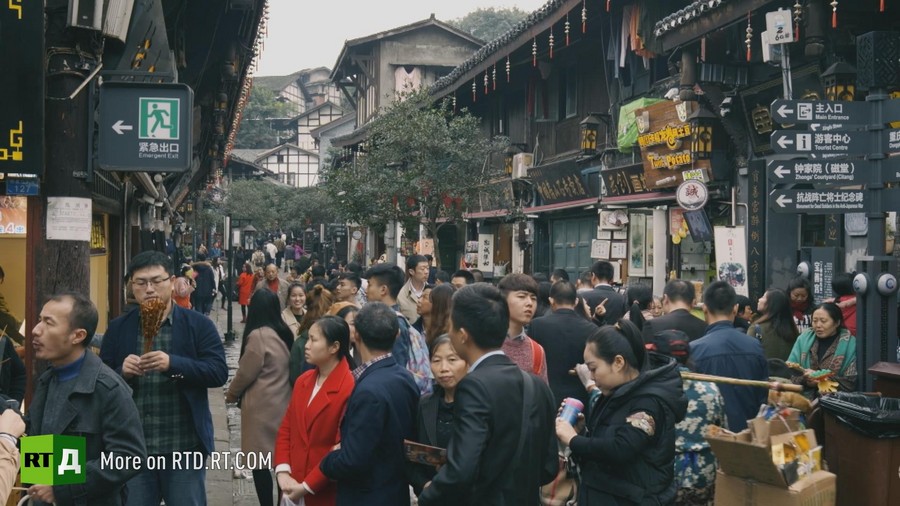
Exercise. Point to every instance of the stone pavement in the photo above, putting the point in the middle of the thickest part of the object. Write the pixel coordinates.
(226, 487)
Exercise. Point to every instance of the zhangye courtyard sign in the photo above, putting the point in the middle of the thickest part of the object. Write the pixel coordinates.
(664, 136)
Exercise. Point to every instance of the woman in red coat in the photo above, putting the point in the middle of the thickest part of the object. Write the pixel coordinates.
(245, 283)
(311, 426)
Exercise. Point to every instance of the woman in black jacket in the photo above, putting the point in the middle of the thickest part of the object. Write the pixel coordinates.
(627, 450)
(435, 420)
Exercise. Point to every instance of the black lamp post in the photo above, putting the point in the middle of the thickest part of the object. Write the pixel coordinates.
(229, 332)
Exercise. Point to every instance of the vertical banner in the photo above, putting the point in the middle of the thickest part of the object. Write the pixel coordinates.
(637, 240)
(731, 257)
(486, 253)
(756, 230)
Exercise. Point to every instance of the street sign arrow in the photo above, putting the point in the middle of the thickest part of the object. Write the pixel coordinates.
(784, 142)
(835, 143)
(841, 171)
(120, 127)
(833, 201)
(822, 111)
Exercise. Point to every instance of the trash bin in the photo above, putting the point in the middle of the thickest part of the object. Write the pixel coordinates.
(862, 447)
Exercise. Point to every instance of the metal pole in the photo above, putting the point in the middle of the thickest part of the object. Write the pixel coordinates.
(229, 332)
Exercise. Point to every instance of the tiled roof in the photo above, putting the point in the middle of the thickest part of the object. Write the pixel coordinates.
(248, 155)
(497, 44)
(692, 11)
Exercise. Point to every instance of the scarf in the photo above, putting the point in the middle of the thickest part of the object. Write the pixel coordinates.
(844, 354)
(799, 308)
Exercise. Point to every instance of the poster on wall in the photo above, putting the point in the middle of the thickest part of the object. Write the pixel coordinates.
(68, 219)
(637, 258)
(600, 249)
(649, 241)
(731, 257)
(13, 215)
(618, 250)
(486, 252)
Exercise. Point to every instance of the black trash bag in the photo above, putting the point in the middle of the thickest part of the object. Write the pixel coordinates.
(875, 417)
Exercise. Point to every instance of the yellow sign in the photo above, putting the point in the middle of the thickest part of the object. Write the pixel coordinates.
(670, 136)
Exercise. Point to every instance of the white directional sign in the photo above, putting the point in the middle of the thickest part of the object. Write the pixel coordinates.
(145, 127)
(821, 111)
(833, 143)
(818, 201)
(831, 172)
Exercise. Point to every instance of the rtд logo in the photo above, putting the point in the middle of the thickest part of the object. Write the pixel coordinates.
(53, 460)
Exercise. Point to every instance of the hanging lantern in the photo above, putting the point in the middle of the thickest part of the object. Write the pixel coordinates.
(749, 39)
(494, 75)
(454, 102)
(607, 5)
(567, 28)
(485, 82)
(474, 91)
(840, 82)
(589, 129)
(881, 8)
(551, 42)
(834, 5)
(583, 16)
(702, 122)
(508, 68)
(798, 17)
(534, 53)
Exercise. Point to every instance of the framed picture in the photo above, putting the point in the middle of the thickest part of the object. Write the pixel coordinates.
(649, 241)
(600, 249)
(605, 235)
(618, 250)
(637, 244)
(620, 235)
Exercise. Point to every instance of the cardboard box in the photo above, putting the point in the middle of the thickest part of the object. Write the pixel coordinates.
(818, 489)
(741, 456)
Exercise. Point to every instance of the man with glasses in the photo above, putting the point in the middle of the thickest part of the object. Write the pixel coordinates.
(170, 383)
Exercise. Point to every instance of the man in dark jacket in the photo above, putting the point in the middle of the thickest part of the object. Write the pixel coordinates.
(170, 373)
(206, 285)
(725, 351)
(678, 300)
(603, 293)
(563, 333)
(369, 466)
(80, 396)
(502, 448)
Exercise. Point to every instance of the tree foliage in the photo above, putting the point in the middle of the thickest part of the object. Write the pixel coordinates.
(258, 126)
(489, 23)
(270, 206)
(420, 164)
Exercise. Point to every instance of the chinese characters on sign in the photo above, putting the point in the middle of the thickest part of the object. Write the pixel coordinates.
(624, 181)
(486, 252)
(665, 140)
(756, 220)
(731, 257)
(560, 182)
(68, 219)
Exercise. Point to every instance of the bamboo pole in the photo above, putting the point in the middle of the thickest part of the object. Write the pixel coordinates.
(771, 385)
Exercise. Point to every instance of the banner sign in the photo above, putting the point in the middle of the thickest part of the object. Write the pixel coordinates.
(731, 257)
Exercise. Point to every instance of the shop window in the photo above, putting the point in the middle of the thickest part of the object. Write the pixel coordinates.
(568, 96)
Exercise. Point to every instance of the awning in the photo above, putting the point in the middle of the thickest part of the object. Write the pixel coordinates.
(638, 198)
(559, 206)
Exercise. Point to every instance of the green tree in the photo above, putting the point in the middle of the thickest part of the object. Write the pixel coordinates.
(489, 23)
(420, 164)
(269, 205)
(262, 113)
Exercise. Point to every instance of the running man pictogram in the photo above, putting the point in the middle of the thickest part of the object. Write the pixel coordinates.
(159, 118)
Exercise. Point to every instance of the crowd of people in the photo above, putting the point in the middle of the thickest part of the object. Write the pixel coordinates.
(351, 379)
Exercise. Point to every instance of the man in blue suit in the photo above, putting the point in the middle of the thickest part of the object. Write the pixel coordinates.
(369, 463)
(169, 373)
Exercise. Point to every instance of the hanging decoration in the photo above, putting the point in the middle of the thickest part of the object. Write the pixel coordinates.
(551, 42)
(798, 17)
(495, 76)
(508, 68)
(534, 53)
(474, 91)
(567, 28)
(583, 16)
(607, 5)
(881, 9)
(454, 102)
(749, 40)
(485, 82)
(834, 5)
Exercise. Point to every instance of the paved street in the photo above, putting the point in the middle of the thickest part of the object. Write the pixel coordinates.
(224, 487)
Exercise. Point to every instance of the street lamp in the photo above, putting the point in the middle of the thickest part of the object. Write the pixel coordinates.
(590, 126)
(840, 82)
(229, 332)
(702, 121)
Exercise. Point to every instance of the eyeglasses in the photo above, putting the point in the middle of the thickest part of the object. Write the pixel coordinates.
(156, 282)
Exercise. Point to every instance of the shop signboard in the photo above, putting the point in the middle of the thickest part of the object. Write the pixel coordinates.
(486, 252)
(731, 257)
(21, 119)
(13, 215)
(560, 182)
(624, 181)
(664, 136)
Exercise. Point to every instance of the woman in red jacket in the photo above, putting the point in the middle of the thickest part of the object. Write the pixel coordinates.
(310, 428)
(245, 283)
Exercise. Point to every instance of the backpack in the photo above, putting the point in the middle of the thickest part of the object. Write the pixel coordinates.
(537, 355)
(419, 363)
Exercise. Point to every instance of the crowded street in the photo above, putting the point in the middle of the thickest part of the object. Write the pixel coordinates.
(469, 253)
